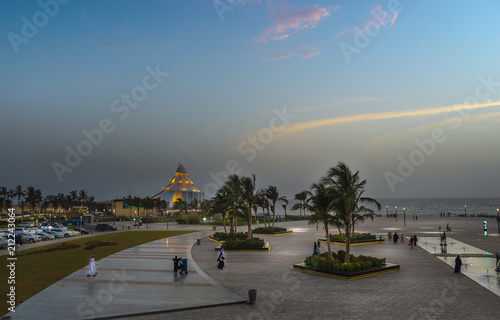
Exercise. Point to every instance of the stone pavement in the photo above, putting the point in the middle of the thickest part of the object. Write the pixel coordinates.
(138, 280)
(424, 288)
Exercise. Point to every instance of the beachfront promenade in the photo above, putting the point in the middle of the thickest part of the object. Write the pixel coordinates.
(140, 280)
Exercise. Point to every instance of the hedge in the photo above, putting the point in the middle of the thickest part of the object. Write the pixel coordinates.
(337, 264)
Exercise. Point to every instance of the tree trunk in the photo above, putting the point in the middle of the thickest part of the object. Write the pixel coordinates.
(224, 222)
(328, 246)
(250, 226)
(348, 240)
(274, 215)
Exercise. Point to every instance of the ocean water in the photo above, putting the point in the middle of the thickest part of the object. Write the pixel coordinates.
(428, 206)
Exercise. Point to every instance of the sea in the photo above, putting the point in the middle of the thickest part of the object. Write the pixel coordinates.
(482, 207)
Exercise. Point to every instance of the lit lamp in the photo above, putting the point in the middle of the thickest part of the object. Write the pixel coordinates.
(396, 213)
(404, 216)
(465, 207)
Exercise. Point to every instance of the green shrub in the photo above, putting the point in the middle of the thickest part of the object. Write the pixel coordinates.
(357, 266)
(337, 264)
(246, 243)
(96, 243)
(62, 246)
(269, 230)
(224, 236)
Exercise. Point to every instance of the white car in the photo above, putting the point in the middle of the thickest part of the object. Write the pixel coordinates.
(57, 235)
(64, 232)
(32, 238)
(45, 236)
(74, 232)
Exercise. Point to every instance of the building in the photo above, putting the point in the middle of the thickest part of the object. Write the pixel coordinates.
(180, 187)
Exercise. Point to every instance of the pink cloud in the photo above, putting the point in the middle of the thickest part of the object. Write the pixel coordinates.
(289, 18)
(307, 53)
(286, 56)
(394, 17)
(378, 18)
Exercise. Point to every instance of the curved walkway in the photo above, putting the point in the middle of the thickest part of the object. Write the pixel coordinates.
(136, 281)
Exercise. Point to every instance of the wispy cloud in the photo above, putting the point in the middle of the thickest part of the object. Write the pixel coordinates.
(288, 19)
(298, 127)
(286, 56)
(308, 52)
(378, 17)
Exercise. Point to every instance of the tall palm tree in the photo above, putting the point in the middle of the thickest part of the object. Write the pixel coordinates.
(273, 195)
(33, 197)
(320, 202)
(301, 196)
(233, 190)
(129, 201)
(349, 200)
(249, 196)
(263, 203)
(19, 193)
(220, 205)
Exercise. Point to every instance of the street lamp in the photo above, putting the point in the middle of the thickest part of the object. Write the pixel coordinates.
(387, 208)
(404, 216)
(498, 222)
(396, 213)
(465, 207)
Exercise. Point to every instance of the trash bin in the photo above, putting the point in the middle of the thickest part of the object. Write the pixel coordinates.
(198, 241)
(185, 263)
(252, 296)
(65, 223)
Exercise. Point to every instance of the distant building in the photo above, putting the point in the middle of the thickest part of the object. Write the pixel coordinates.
(180, 187)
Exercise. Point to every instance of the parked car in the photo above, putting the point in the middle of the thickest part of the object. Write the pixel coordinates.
(21, 238)
(45, 236)
(57, 235)
(32, 238)
(64, 232)
(105, 227)
(74, 232)
(82, 230)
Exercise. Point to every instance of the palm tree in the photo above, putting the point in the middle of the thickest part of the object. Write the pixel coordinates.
(3, 197)
(301, 196)
(273, 195)
(249, 196)
(349, 199)
(233, 191)
(320, 202)
(181, 205)
(194, 204)
(262, 202)
(220, 205)
(33, 197)
(83, 197)
(19, 193)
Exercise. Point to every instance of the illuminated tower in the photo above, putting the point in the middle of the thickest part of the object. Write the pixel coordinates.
(180, 187)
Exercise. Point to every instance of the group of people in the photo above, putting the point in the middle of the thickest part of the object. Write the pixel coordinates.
(179, 265)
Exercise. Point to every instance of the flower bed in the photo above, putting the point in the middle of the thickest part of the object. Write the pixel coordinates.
(254, 244)
(356, 262)
(270, 230)
(359, 267)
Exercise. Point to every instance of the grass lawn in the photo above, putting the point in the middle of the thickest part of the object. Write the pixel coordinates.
(38, 271)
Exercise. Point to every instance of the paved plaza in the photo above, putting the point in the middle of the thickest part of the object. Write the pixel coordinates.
(425, 288)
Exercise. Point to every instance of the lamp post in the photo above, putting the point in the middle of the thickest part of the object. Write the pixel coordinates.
(404, 216)
(387, 208)
(465, 208)
(396, 213)
(498, 222)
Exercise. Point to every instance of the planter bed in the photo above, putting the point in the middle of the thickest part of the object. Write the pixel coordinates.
(265, 247)
(348, 275)
(273, 233)
(355, 242)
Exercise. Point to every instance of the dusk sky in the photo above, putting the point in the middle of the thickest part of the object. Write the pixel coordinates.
(110, 96)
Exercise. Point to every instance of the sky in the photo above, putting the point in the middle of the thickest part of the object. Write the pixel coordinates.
(111, 96)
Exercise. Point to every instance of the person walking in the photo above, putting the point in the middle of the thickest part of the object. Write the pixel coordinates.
(92, 266)
(402, 238)
(412, 240)
(415, 239)
(221, 259)
(395, 237)
(176, 263)
(458, 264)
(315, 249)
